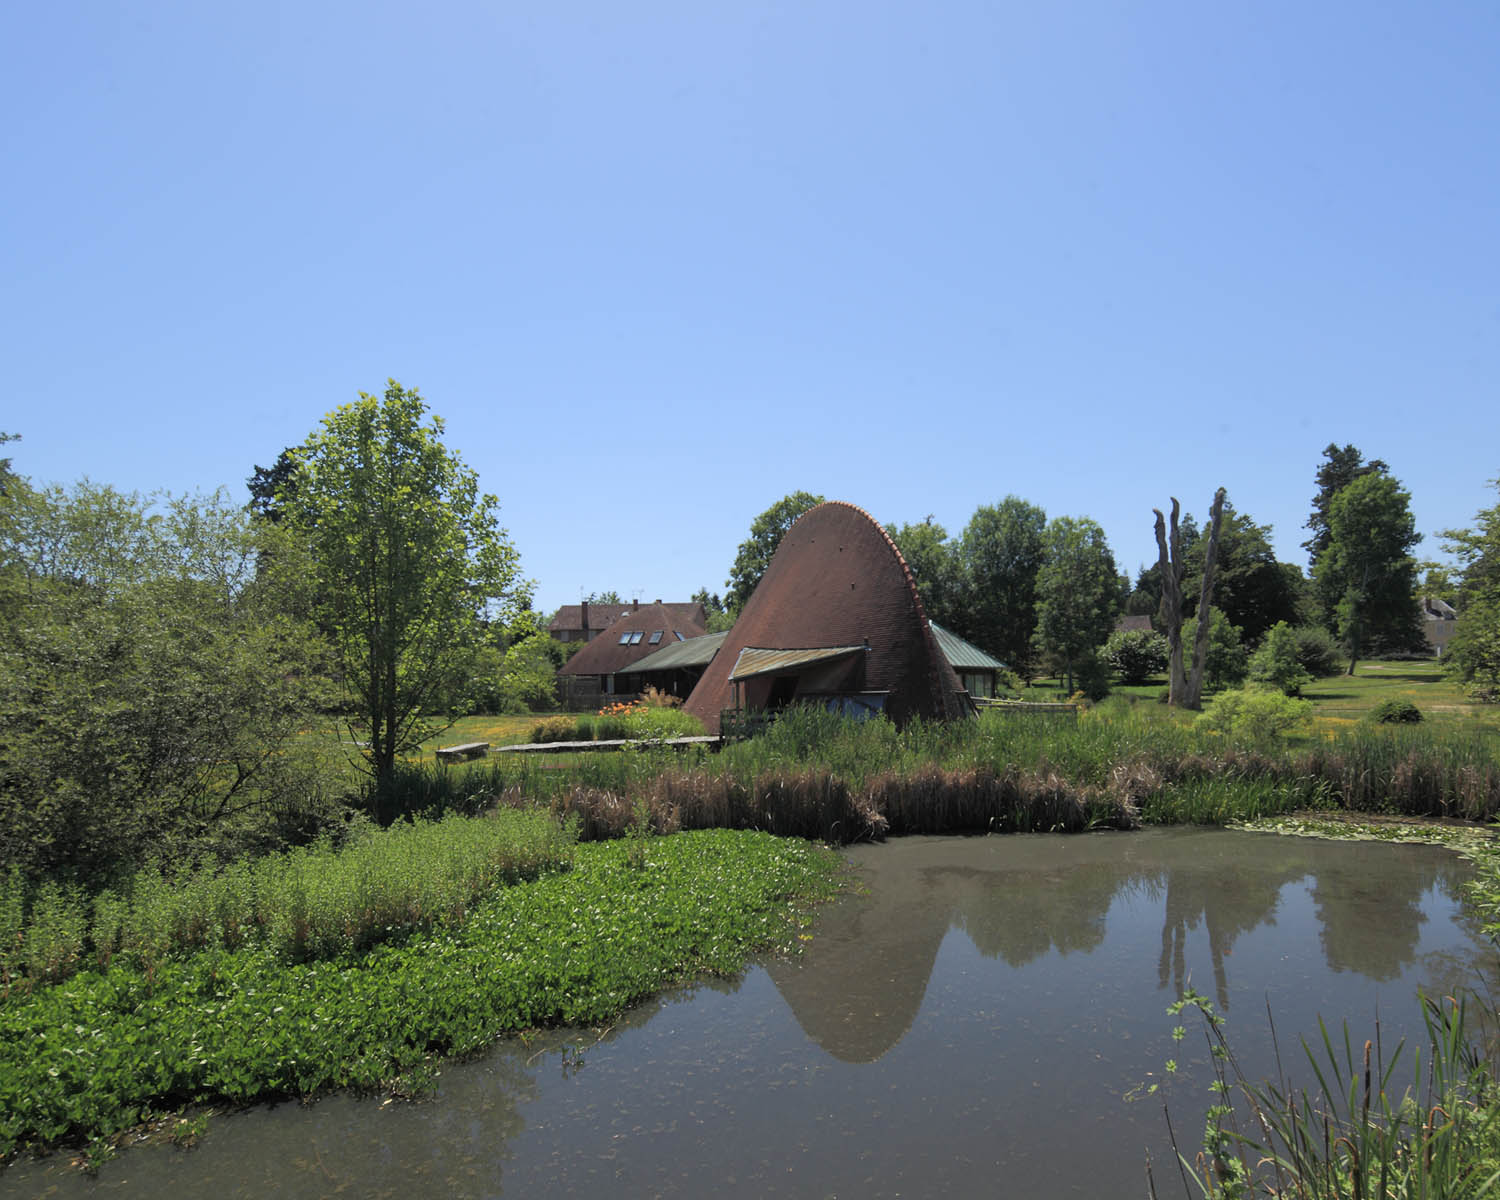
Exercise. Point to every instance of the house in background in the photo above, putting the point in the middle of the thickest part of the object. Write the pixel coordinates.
(1439, 619)
(1134, 624)
(584, 622)
(601, 671)
(835, 621)
(674, 669)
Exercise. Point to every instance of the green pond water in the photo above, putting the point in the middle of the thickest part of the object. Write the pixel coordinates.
(971, 1026)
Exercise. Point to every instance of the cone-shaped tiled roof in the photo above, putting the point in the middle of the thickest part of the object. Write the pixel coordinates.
(837, 579)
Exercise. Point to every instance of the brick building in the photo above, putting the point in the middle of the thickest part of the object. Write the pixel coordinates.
(835, 620)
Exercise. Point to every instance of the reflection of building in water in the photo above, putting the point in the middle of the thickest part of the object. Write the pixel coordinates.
(860, 983)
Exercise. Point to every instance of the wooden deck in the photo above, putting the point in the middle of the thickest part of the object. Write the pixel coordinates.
(679, 743)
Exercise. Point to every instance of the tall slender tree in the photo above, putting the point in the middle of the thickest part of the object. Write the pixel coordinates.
(1367, 569)
(409, 560)
(1078, 594)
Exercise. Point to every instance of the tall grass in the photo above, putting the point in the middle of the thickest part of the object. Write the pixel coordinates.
(315, 902)
(1362, 1132)
(818, 775)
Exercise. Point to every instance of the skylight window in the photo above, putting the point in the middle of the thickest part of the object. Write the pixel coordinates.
(625, 638)
(636, 635)
(656, 636)
(680, 638)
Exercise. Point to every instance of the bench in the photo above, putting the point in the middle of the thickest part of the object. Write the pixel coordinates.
(449, 754)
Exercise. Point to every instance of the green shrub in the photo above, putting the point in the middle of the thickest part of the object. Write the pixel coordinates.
(1136, 654)
(1317, 651)
(1276, 664)
(644, 721)
(557, 729)
(1256, 714)
(610, 728)
(1225, 663)
(1395, 711)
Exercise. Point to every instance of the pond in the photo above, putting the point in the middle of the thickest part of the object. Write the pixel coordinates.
(971, 1025)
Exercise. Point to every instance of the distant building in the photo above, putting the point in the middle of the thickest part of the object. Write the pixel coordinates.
(602, 669)
(835, 621)
(1133, 624)
(676, 668)
(1438, 621)
(584, 622)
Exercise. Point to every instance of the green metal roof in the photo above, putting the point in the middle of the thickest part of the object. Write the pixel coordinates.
(756, 661)
(695, 652)
(962, 655)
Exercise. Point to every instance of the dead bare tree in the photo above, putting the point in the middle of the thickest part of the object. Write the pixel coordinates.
(1186, 689)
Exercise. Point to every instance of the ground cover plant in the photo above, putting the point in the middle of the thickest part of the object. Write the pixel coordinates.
(111, 1047)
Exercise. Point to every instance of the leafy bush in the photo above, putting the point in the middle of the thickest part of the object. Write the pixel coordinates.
(1257, 714)
(646, 722)
(1317, 651)
(1224, 665)
(1395, 711)
(1136, 654)
(556, 729)
(1276, 664)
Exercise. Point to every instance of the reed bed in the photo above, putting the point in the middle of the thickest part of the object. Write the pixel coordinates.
(812, 774)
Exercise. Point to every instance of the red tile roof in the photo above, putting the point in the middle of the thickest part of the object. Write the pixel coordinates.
(837, 579)
(606, 656)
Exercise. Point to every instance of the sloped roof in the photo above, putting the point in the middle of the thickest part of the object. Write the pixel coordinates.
(837, 579)
(695, 652)
(962, 655)
(606, 655)
(570, 616)
(757, 660)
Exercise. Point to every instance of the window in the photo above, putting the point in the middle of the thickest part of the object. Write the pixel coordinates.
(680, 638)
(625, 638)
(636, 635)
(656, 636)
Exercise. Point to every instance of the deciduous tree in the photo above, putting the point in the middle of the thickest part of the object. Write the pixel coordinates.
(1340, 468)
(935, 568)
(1473, 656)
(1367, 568)
(1077, 594)
(153, 682)
(1002, 550)
(408, 556)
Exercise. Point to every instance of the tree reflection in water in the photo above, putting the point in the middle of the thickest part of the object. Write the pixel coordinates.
(859, 986)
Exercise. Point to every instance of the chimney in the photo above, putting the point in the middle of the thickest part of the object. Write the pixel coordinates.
(635, 606)
(585, 620)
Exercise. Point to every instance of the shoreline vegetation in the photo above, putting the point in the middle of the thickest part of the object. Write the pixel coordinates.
(510, 894)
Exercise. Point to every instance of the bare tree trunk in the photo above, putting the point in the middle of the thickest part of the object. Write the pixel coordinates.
(1194, 695)
(1168, 560)
(1185, 690)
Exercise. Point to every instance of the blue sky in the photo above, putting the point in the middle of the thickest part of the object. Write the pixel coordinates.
(658, 265)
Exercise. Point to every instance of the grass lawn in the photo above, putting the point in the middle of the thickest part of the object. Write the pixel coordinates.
(1341, 701)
